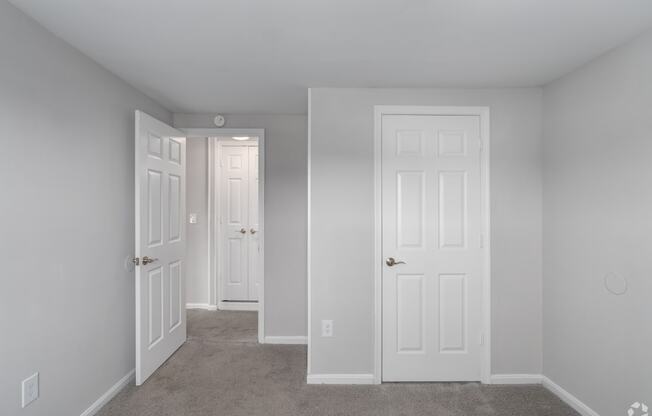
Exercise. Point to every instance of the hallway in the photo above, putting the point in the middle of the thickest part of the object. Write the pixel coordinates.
(222, 370)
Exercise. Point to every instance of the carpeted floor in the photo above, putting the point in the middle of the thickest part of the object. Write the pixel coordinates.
(222, 370)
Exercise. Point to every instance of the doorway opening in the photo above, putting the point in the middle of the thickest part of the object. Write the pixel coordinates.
(235, 219)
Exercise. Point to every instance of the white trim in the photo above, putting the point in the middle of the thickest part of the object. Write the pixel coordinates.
(340, 379)
(571, 400)
(516, 379)
(309, 232)
(286, 340)
(212, 224)
(484, 114)
(204, 306)
(109, 394)
(237, 306)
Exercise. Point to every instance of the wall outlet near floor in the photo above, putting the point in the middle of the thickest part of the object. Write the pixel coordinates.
(30, 389)
(326, 328)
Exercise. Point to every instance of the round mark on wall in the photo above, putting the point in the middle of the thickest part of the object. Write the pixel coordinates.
(615, 283)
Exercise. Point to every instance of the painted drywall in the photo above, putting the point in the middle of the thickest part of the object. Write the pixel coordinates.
(67, 223)
(342, 222)
(597, 207)
(197, 284)
(285, 214)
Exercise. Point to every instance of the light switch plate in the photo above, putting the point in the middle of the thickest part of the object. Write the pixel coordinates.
(192, 218)
(30, 389)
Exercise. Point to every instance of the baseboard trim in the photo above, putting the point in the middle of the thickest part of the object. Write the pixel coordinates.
(340, 379)
(289, 340)
(571, 400)
(109, 394)
(237, 306)
(516, 379)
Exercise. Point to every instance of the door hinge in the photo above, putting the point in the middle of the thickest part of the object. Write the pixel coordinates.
(481, 339)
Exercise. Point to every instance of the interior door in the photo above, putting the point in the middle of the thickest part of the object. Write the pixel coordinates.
(160, 243)
(235, 222)
(431, 243)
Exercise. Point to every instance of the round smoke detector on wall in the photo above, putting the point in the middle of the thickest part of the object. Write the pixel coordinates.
(219, 120)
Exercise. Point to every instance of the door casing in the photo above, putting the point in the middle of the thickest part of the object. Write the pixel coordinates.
(212, 279)
(484, 114)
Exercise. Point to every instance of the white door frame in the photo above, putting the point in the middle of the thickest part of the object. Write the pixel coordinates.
(483, 113)
(213, 224)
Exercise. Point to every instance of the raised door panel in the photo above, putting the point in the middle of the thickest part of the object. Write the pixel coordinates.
(410, 313)
(452, 224)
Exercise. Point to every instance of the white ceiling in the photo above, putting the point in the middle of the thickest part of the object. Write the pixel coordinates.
(259, 56)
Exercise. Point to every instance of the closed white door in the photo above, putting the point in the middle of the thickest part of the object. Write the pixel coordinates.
(239, 218)
(160, 243)
(431, 243)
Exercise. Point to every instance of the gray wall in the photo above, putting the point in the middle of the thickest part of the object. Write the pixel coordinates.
(285, 215)
(342, 227)
(597, 220)
(197, 285)
(66, 222)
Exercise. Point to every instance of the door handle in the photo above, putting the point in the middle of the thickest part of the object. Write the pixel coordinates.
(148, 260)
(243, 231)
(252, 231)
(391, 261)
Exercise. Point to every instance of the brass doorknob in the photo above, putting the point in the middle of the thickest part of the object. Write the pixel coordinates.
(148, 260)
(391, 261)
(252, 231)
(243, 231)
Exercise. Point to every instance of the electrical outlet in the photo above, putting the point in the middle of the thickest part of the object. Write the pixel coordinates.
(30, 389)
(326, 328)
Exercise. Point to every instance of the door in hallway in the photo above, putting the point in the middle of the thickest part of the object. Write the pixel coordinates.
(160, 243)
(239, 221)
(432, 248)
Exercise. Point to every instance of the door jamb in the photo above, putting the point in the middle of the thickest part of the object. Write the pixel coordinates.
(211, 133)
(484, 115)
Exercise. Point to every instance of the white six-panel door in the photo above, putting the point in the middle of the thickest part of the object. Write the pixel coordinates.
(160, 243)
(431, 227)
(239, 222)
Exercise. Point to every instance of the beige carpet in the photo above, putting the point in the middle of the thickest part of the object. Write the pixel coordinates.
(222, 370)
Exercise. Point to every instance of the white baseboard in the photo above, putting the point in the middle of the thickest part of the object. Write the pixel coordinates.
(204, 306)
(290, 340)
(571, 400)
(237, 306)
(109, 394)
(516, 378)
(340, 379)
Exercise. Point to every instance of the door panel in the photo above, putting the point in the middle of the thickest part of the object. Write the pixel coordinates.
(431, 219)
(235, 201)
(160, 235)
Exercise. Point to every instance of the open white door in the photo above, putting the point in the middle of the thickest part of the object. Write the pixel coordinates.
(160, 243)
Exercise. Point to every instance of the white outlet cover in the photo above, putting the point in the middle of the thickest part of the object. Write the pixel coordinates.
(30, 389)
(326, 328)
(192, 218)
